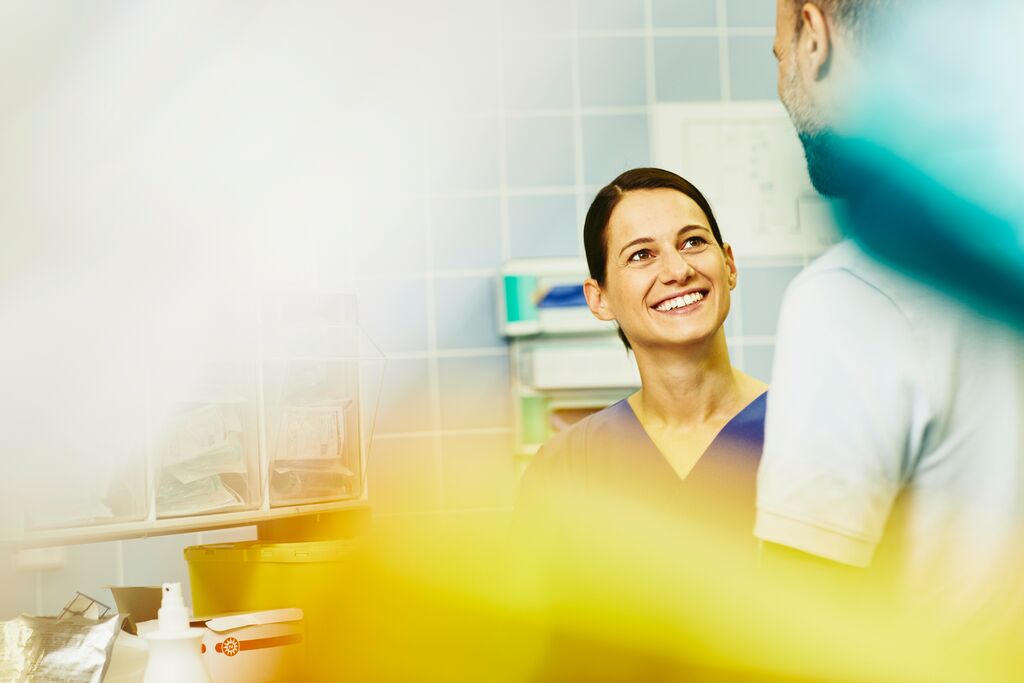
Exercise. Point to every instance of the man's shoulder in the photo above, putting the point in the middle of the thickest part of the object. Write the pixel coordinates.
(847, 270)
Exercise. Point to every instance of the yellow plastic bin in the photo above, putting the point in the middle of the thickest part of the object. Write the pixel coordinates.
(250, 576)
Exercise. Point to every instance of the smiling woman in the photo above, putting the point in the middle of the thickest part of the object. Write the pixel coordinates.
(685, 447)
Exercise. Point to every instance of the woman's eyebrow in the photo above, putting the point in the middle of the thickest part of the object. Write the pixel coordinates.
(691, 228)
(638, 240)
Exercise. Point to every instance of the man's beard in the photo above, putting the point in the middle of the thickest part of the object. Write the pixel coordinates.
(821, 149)
(819, 141)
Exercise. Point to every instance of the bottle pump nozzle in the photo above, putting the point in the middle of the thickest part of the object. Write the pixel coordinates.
(172, 615)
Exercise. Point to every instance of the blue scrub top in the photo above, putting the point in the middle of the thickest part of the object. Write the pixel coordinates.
(610, 454)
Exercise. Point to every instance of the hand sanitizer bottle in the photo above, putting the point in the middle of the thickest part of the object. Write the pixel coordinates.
(175, 654)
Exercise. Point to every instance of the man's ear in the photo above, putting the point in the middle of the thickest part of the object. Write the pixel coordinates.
(596, 300)
(814, 45)
(730, 263)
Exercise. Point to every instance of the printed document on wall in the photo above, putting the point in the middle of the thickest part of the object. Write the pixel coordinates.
(747, 160)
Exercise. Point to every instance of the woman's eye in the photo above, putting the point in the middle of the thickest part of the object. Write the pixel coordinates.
(642, 255)
(694, 243)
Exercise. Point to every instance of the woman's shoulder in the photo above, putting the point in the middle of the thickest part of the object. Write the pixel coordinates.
(566, 460)
(572, 443)
(748, 425)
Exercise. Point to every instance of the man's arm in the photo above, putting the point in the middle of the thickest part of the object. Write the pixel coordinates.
(837, 425)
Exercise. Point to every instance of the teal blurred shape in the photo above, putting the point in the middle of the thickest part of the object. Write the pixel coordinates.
(932, 155)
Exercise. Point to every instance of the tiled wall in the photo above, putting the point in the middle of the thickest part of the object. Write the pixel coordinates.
(527, 107)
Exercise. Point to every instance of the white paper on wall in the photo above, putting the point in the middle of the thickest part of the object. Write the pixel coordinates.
(747, 160)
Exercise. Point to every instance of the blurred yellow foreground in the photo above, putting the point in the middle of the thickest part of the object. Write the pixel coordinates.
(628, 597)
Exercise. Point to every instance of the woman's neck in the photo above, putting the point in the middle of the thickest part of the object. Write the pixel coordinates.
(693, 388)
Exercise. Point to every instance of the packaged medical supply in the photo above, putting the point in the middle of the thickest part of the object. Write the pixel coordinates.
(74, 649)
(254, 647)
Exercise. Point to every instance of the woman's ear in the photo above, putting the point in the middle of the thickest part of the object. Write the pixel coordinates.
(730, 263)
(596, 300)
(814, 45)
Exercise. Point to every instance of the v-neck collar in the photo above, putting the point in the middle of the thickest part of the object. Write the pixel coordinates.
(750, 417)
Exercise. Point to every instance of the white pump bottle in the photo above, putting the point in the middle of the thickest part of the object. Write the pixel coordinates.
(174, 648)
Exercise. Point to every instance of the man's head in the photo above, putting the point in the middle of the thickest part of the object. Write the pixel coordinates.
(817, 45)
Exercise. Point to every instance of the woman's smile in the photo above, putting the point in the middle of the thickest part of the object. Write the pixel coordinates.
(682, 303)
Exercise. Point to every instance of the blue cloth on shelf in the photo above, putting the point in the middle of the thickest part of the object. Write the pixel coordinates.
(563, 296)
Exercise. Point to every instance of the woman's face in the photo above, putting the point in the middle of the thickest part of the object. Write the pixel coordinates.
(667, 282)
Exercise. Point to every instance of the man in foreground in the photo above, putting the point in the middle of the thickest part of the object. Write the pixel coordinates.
(894, 434)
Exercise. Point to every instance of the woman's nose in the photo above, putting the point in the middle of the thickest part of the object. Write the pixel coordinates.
(675, 267)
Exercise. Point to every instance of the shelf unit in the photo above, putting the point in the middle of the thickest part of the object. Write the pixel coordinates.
(306, 342)
(564, 362)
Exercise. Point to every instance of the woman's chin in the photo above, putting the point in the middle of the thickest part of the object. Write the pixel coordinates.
(678, 339)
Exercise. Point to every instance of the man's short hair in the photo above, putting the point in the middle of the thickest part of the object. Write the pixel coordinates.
(861, 19)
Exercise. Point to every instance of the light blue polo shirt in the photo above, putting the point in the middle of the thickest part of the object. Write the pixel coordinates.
(895, 414)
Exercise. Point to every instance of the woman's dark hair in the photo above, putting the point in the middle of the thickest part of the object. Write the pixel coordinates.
(595, 227)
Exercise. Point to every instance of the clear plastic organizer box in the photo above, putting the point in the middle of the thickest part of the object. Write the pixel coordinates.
(253, 403)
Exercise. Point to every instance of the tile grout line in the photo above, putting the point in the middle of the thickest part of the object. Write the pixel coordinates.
(678, 32)
(723, 51)
(508, 349)
(503, 188)
(577, 126)
(433, 364)
(650, 77)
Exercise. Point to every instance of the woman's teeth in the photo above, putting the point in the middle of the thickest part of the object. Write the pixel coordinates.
(679, 302)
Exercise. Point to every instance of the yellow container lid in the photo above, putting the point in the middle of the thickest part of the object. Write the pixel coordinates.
(255, 551)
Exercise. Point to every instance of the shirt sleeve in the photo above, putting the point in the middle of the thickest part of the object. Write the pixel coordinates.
(838, 418)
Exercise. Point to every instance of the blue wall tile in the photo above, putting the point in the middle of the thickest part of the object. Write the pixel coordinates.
(612, 72)
(396, 227)
(753, 71)
(402, 475)
(543, 225)
(393, 313)
(467, 156)
(613, 144)
(609, 15)
(750, 13)
(478, 471)
(686, 69)
(475, 392)
(405, 400)
(466, 232)
(730, 321)
(684, 13)
(762, 289)
(466, 312)
(457, 16)
(540, 151)
(757, 361)
(466, 69)
(536, 16)
(538, 73)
